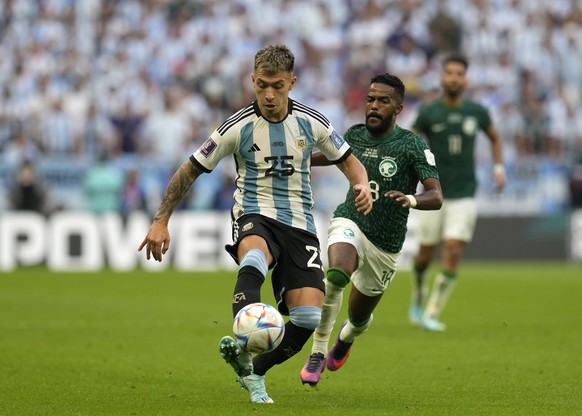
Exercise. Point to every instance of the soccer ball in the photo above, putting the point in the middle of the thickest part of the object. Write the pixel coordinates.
(259, 327)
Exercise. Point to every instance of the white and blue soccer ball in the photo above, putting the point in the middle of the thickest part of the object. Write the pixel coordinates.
(259, 327)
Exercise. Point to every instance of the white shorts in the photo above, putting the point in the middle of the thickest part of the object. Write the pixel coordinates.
(455, 220)
(376, 267)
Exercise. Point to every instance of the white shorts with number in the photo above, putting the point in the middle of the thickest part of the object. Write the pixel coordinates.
(376, 267)
(455, 220)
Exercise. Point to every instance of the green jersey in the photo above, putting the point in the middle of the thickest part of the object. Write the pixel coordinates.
(451, 134)
(396, 162)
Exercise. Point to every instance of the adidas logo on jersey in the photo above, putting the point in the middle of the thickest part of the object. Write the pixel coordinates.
(254, 148)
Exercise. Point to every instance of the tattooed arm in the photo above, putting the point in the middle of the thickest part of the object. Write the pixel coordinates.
(157, 240)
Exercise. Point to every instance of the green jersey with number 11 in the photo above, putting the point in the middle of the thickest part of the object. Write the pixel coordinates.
(451, 133)
(396, 162)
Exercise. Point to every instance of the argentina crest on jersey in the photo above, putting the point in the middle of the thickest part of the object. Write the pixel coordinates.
(301, 143)
(300, 138)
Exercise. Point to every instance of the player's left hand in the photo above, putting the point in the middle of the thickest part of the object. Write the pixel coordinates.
(364, 198)
(399, 198)
(500, 181)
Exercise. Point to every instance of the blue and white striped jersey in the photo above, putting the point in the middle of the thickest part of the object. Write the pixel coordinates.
(273, 160)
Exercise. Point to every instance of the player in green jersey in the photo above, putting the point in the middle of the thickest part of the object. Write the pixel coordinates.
(365, 250)
(450, 124)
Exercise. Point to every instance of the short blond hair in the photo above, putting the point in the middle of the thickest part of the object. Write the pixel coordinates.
(274, 58)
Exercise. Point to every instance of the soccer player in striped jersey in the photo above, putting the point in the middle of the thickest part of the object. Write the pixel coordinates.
(273, 228)
(450, 124)
(365, 250)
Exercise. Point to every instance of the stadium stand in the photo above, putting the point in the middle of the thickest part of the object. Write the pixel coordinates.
(82, 78)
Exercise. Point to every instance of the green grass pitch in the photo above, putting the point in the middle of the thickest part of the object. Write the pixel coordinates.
(146, 344)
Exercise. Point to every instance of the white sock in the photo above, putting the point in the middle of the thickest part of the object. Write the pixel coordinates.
(332, 303)
(441, 290)
(349, 332)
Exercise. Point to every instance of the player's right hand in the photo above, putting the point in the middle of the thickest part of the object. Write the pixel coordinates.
(157, 241)
(364, 198)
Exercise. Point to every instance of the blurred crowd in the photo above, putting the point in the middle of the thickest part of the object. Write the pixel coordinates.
(102, 99)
